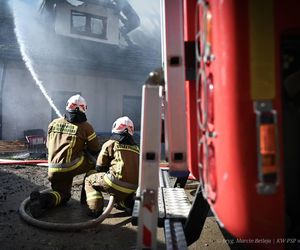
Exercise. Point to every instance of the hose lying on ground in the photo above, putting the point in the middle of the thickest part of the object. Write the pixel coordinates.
(64, 226)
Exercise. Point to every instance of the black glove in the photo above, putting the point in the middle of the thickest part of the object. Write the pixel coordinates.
(102, 168)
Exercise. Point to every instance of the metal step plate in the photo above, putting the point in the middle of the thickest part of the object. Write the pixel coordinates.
(177, 204)
(173, 204)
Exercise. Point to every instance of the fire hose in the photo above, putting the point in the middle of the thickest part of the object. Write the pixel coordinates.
(65, 226)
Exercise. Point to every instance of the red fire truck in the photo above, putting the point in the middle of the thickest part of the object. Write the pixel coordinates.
(230, 93)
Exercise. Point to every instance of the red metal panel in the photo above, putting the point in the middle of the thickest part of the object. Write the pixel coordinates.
(232, 178)
(243, 212)
(233, 156)
(190, 88)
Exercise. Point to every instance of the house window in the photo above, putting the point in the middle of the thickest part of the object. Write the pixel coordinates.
(86, 24)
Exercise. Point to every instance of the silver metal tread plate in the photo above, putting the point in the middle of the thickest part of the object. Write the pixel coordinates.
(173, 204)
(177, 205)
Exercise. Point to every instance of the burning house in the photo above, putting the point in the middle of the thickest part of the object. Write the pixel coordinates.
(54, 49)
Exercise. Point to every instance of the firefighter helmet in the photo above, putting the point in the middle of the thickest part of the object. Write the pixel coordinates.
(76, 102)
(122, 124)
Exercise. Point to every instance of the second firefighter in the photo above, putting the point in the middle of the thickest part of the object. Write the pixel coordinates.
(117, 169)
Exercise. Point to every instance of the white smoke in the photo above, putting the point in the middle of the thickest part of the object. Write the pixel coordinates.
(148, 34)
(17, 7)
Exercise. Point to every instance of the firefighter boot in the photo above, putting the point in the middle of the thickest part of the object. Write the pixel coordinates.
(129, 203)
(35, 206)
(39, 203)
(94, 213)
(126, 205)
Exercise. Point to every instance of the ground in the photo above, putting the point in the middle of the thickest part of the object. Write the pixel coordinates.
(115, 232)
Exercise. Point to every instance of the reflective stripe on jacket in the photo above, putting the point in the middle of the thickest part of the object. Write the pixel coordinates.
(122, 160)
(66, 142)
(65, 167)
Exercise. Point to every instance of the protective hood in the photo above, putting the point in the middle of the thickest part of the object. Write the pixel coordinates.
(124, 138)
(75, 117)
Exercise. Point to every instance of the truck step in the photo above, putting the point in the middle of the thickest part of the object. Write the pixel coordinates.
(177, 204)
(173, 204)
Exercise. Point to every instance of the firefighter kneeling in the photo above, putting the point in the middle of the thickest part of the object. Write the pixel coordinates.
(68, 140)
(117, 170)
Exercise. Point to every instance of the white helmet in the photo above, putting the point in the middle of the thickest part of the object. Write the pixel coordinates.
(121, 124)
(76, 101)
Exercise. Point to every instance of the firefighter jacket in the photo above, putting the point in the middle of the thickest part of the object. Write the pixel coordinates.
(123, 163)
(66, 143)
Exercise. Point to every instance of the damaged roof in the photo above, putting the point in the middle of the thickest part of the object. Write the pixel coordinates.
(131, 62)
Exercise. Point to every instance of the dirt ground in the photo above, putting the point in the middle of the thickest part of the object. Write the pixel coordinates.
(115, 232)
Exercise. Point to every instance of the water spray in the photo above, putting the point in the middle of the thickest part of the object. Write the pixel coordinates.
(28, 62)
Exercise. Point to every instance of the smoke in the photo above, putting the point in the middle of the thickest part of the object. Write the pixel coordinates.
(148, 34)
(18, 9)
(65, 62)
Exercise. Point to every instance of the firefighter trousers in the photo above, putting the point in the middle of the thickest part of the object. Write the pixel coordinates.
(95, 184)
(61, 182)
